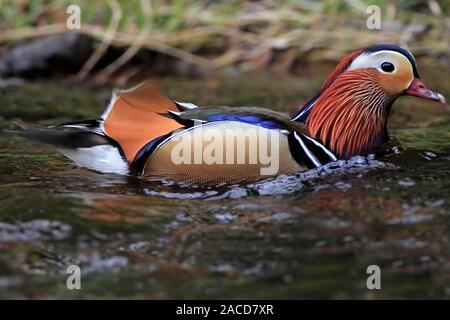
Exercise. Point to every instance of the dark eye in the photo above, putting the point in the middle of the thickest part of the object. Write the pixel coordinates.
(387, 67)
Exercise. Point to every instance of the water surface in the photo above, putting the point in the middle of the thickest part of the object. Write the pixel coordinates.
(306, 236)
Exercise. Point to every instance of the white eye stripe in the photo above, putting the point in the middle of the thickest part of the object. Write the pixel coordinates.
(376, 59)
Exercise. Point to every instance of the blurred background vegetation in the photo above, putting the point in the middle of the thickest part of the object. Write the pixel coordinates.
(130, 37)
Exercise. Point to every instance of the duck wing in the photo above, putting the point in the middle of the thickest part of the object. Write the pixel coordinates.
(252, 115)
(306, 150)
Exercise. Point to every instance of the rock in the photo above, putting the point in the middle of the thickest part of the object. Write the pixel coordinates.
(63, 53)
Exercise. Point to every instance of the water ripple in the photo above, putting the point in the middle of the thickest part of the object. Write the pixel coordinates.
(281, 185)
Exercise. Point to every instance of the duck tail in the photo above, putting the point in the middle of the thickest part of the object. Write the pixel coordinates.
(81, 142)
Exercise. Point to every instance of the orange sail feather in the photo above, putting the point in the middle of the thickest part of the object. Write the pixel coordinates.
(132, 120)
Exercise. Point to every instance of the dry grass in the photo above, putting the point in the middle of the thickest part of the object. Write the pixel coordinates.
(248, 35)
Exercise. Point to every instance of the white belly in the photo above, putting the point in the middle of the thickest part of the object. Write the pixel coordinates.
(102, 158)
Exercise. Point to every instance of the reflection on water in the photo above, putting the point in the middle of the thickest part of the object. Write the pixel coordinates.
(310, 235)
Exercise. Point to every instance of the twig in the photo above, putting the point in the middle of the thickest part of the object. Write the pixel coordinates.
(106, 41)
(102, 75)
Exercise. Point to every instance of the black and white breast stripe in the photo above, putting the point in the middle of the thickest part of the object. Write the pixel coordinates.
(302, 115)
(309, 152)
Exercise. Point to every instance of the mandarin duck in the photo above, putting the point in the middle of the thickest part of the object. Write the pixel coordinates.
(141, 129)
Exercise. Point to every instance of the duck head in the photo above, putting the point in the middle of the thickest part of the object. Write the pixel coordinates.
(350, 111)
